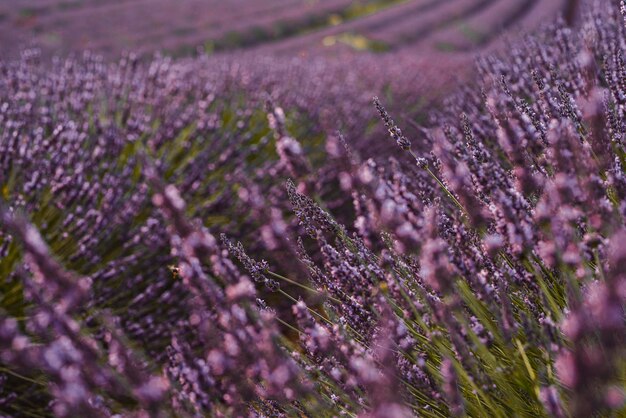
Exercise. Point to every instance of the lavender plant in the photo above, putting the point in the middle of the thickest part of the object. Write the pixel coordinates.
(481, 271)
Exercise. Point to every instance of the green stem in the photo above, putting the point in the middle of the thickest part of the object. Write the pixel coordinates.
(20, 376)
(303, 286)
(443, 186)
(288, 325)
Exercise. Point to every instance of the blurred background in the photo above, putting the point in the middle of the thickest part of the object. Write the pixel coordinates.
(286, 27)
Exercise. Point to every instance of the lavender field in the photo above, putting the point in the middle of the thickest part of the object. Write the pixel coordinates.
(313, 208)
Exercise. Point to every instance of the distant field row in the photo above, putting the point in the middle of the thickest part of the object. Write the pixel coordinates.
(290, 26)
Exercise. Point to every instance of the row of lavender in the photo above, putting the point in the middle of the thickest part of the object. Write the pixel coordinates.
(483, 272)
(76, 139)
